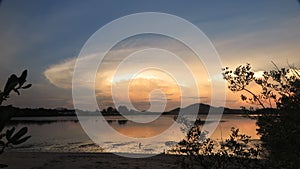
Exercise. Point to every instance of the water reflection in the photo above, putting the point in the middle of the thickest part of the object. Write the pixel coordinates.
(141, 130)
(120, 122)
(66, 134)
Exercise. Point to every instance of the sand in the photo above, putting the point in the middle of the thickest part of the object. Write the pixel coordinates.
(46, 160)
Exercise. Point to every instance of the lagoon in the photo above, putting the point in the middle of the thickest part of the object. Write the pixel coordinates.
(65, 134)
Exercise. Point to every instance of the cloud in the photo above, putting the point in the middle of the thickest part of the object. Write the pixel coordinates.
(154, 72)
(61, 74)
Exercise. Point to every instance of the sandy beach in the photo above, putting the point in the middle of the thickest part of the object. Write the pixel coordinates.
(46, 160)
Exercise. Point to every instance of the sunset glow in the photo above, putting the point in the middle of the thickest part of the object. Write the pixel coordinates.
(258, 37)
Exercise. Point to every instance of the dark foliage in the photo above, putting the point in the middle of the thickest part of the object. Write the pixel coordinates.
(278, 126)
(10, 136)
(235, 152)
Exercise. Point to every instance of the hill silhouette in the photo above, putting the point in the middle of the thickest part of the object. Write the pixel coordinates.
(204, 109)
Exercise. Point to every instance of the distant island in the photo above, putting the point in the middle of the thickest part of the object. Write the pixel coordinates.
(203, 109)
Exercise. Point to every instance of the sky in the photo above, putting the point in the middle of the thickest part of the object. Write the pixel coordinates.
(46, 37)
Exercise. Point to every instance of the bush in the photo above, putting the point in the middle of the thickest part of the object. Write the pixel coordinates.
(197, 150)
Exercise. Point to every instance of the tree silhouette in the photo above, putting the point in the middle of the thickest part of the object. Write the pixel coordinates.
(278, 126)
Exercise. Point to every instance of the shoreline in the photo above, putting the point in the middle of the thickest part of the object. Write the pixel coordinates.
(54, 160)
(84, 160)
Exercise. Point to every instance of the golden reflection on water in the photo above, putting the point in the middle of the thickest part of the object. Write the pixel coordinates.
(67, 136)
(156, 127)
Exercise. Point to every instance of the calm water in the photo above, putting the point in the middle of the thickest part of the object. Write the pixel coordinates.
(64, 134)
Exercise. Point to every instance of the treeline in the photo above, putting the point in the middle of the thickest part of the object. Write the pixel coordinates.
(110, 111)
(29, 112)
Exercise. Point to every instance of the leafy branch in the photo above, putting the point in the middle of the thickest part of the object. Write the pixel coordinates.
(10, 137)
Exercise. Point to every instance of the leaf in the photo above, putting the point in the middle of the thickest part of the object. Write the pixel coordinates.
(12, 81)
(18, 135)
(21, 140)
(243, 97)
(9, 133)
(27, 86)
(23, 76)
(17, 91)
